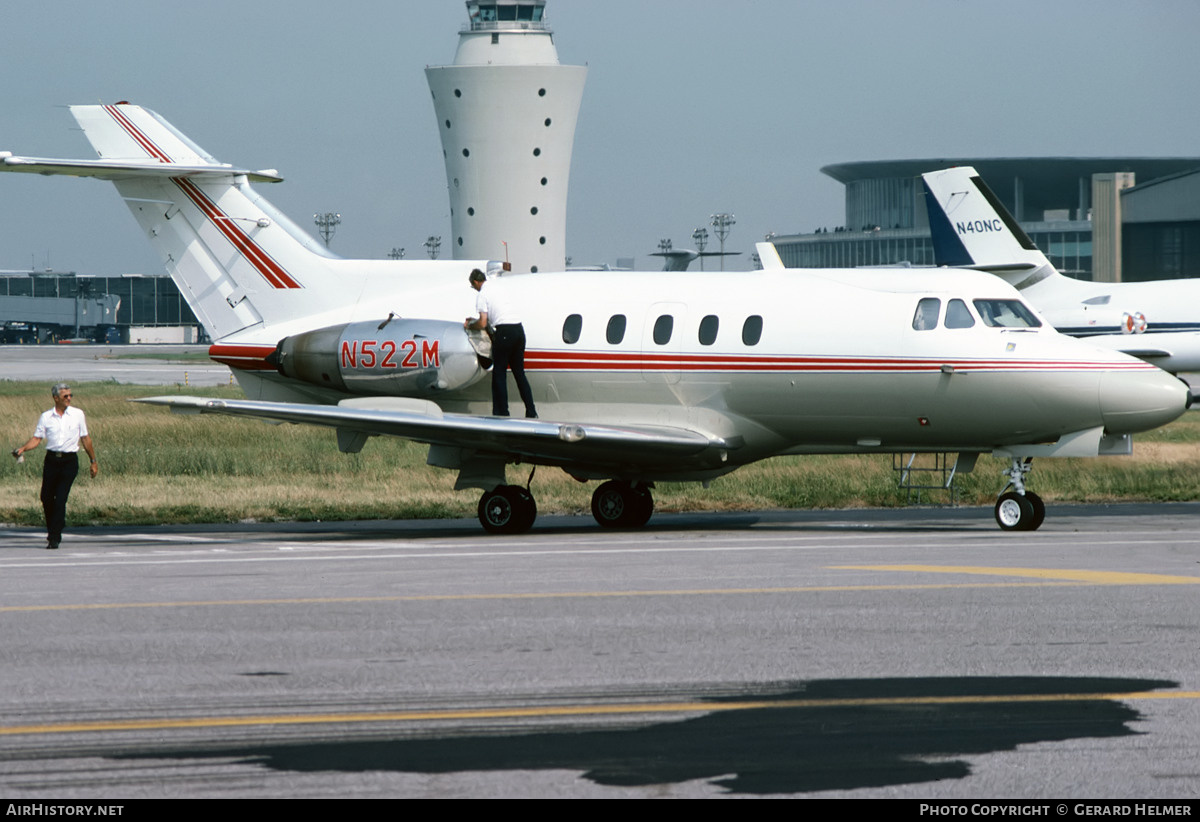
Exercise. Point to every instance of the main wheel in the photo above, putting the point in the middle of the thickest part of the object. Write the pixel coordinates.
(1016, 513)
(618, 504)
(507, 509)
(1039, 510)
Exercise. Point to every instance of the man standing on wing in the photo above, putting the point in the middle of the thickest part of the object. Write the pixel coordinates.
(508, 344)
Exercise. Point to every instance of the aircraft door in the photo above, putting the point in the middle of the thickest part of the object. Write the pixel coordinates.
(663, 334)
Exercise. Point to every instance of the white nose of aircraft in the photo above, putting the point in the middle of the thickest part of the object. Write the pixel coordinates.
(1132, 401)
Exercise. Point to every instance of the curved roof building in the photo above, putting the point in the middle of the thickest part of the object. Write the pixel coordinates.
(1107, 218)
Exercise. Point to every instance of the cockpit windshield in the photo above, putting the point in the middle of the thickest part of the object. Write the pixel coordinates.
(1006, 314)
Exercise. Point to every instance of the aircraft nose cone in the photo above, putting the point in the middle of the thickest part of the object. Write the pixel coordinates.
(1132, 401)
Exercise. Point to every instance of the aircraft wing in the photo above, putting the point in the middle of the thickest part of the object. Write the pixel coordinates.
(118, 169)
(541, 441)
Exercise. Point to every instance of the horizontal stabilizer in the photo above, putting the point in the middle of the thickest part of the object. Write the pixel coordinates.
(123, 170)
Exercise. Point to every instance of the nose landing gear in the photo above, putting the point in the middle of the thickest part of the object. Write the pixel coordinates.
(1018, 509)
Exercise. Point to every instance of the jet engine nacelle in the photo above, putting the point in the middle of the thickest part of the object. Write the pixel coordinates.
(402, 358)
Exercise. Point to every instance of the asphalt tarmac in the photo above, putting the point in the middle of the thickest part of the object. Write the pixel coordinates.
(133, 364)
(919, 653)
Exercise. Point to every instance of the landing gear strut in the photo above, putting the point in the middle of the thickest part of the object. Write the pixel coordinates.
(617, 504)
(1018, 509)
(507, 509)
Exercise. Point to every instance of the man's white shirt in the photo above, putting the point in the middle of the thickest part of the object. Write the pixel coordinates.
(498, 305)
(62, 433)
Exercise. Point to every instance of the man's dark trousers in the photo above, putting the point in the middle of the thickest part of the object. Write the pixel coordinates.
(58, 472)
(508, 351)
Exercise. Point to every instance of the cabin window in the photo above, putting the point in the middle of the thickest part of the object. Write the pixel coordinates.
(752, 330)
(572, 328)
(616, 329)
(662, 329)
(1006, 314)
(708, 329)
(958, 315)
(926, 316)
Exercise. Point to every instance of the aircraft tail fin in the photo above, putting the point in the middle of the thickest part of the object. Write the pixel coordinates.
(768, 256)
(238, 261)
(971, 228)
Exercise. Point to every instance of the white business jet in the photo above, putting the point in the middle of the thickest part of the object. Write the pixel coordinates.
(638, 377)
(1158, 321)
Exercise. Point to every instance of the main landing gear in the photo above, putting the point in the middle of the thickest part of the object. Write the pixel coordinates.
(1018, 509)
(507, 509)
(617, 504)
(510, 509)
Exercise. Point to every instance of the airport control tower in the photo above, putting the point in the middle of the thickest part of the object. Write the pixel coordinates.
(506, 111)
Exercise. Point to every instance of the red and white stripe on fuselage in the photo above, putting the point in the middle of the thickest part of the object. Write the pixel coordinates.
(243, 357)
(536, 360)
(254, 358)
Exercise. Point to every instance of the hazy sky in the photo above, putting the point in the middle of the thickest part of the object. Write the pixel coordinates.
(689, 107)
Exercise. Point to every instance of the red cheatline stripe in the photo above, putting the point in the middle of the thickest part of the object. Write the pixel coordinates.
(267, 267)
(141, 139)
(271, 271)
(617, 361)
(244, 357)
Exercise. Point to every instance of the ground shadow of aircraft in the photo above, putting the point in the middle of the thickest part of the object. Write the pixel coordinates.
(812, 736)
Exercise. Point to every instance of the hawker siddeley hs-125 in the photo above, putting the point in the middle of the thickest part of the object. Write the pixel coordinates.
(638, 377)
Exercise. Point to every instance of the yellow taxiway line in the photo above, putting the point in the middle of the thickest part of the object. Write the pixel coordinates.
(551, 711)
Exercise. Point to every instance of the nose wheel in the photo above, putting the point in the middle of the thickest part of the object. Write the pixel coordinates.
(1018, 509)
(617, 504)
(507, 509)
(1020, 512)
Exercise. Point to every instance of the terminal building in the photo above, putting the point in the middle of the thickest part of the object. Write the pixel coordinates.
(1110, 219)
(47, 306)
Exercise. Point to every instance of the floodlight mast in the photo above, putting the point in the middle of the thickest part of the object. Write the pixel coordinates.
(327, 224)
(722, 223)
(700, 238)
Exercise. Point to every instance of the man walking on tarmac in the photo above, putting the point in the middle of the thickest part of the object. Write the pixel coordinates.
(64, 429)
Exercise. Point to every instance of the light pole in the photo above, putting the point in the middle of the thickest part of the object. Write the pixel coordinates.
(327, 224)
(664, 246)
(721, 224)
(433, 246)
(700, 238)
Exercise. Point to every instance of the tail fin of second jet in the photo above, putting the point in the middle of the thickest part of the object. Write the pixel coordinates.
(971, 228)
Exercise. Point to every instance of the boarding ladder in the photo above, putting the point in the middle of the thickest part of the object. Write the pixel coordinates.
(926, 477)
